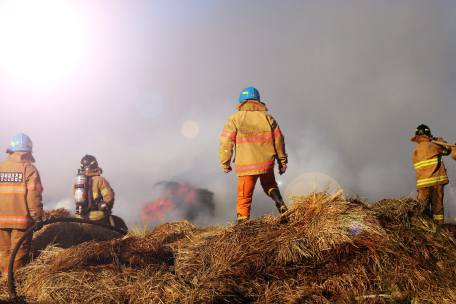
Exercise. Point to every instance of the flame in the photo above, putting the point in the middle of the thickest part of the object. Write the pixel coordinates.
(183, 195)
(157, 209)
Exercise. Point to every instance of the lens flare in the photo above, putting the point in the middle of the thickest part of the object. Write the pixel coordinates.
(352, 225)
(190, 129)
(41, 40)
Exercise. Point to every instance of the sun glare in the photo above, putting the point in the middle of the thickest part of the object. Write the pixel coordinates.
(41, 41)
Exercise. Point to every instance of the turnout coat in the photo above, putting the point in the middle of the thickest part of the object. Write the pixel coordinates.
(256, 138)
(427, 159)
(20, 191)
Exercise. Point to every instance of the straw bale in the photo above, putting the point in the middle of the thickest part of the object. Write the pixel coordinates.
(68, 234)
(55, 213)
(171, 232)
(318, 229)
(394, 212)
(327, 248)
(129, 251)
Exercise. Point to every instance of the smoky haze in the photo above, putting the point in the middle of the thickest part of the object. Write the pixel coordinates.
(348, 83)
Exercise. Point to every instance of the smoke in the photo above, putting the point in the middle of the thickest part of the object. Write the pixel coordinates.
(348, 82)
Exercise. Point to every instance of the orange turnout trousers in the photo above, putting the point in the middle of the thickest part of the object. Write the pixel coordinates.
(246, 185)
(8, 240)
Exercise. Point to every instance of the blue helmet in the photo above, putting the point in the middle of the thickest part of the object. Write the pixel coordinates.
(21, 142)
(249, 93)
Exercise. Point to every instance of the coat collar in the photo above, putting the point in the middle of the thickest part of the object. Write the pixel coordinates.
(93, 172)
(251, 105)
(420, 138)
(21, 157)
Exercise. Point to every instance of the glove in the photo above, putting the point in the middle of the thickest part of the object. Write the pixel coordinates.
(227, 169)
(102, 206)
(282, 169)
(38, 225)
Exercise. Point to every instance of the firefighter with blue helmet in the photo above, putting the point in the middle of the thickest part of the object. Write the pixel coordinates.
(20, 200)
(259, 143)
(249, 93)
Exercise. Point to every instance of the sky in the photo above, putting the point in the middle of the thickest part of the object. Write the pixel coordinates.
(146, 87)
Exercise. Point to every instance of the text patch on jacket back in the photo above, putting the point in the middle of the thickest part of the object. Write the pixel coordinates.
(10, 177)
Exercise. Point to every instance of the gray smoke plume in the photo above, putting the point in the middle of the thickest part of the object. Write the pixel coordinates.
(347, 81)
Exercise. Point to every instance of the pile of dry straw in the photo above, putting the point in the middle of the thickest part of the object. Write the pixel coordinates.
(326, 249)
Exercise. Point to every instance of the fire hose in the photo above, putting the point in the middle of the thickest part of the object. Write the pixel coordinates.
(442, 143)
(11, 286)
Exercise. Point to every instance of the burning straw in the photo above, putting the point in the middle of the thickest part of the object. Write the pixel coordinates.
(326, 249)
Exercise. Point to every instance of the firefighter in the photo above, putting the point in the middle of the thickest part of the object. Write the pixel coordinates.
(101, 202)
(431, 174)
(258, 143)
(20, 201)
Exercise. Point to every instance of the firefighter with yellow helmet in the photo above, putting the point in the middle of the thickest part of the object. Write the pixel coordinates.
(20, 201)
(93, 195)
(431, 174)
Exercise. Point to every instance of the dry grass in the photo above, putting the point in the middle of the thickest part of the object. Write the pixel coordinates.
(326, 249)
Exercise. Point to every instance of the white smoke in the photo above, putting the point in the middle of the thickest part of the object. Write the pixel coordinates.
(347, 81)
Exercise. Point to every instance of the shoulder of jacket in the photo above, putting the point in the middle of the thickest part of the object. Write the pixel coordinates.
(233, 117)
(269, 116)
(30, 166)
(98, 178)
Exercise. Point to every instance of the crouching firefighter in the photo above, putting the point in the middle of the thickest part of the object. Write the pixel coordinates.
(93, 196)
(258, 142)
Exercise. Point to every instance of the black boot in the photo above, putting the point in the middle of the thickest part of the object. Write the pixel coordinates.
(277, 198)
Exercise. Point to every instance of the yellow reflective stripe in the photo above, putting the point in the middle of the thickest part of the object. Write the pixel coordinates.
(446, 150)
(106, 191)
(428, 162)
(269, 191)
(243, 218)
(96, 195)
(438, 216)
(92, 215)
(431, 180)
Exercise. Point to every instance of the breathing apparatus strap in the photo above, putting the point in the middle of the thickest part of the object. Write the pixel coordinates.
(91, 206)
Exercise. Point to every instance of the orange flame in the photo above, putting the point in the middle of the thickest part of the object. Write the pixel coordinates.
(183, 195)
(157, 209)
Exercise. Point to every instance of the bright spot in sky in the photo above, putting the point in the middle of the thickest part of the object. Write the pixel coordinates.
(150, 105)
(40, 40)
(190, 129)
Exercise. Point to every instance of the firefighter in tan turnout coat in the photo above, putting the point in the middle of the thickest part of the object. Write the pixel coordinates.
(20, 201)
(431, 174)
(101, 202)
(258, 143)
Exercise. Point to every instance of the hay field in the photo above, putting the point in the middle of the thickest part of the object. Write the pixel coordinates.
(328, 248)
